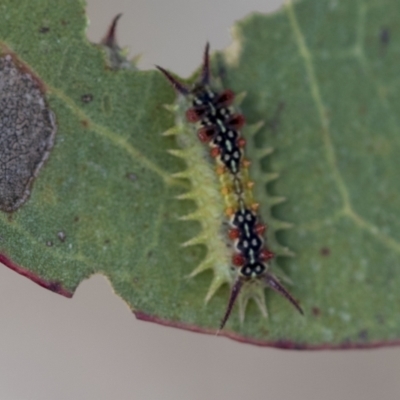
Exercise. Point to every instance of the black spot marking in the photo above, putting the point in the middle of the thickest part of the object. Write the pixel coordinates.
(44, 29)
(241, 216)
(248, 269)
(246, 246)
(87, 98)
(27, 131)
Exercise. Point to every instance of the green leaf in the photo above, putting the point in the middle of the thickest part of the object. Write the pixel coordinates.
(322, 74)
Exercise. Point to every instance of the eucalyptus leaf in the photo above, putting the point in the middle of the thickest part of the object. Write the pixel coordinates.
(321, 74)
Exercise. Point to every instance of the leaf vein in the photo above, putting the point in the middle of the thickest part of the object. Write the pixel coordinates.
(330, 152)
(114, 138)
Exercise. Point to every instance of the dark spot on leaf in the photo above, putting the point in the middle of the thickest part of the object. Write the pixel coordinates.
(64, 22)
(363, 334)
(27, 131)
(44, 29)
(149, 254)
(87, 98)
(384, 36)
(76, 219)
(131, 176)
(107, 241)
(61, 235)
(316, 311)
(49, 243)
(325, 251)
(85, 123)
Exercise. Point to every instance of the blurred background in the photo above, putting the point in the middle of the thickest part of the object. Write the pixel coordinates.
(92, 347)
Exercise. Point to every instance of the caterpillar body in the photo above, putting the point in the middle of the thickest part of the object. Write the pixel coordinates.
(218, 126)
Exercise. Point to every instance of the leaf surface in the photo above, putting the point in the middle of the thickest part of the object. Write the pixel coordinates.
(323, 75)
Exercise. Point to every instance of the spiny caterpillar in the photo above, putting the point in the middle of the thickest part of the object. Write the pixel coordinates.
(218, 126)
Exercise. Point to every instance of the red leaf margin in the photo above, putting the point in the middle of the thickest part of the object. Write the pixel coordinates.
(56, 287)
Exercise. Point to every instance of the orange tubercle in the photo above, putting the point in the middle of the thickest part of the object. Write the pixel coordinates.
(237, 121)
(238, 260)
(215, 152)
(234, 234)
(260, 229)
(267, 255)
(250, 184)
(226, 97)
(225, 191)
(246, 163)
(204, 134)
(192, 115)
(220, 170)
(241, 142)
(229, 211)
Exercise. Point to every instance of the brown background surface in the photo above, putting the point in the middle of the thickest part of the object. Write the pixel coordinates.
(91, 347)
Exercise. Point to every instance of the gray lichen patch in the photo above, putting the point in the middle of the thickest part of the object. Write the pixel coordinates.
(27, 130)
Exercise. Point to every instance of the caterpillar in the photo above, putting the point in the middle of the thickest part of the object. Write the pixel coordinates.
(218, 126)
